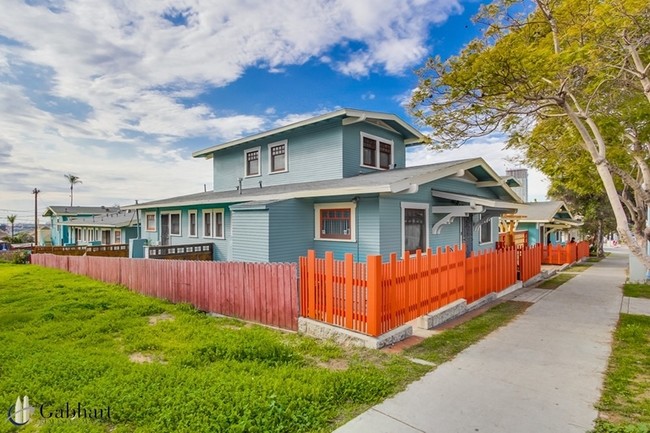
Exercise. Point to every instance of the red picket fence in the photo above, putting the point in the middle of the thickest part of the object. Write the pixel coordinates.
(490, 271)
(565, 254)
(375, 297)
(529, 260)
(260, 292)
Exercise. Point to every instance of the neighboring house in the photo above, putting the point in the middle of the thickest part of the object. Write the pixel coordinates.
(60, 234)
(335, 182)
(105, 229)
(546, 222)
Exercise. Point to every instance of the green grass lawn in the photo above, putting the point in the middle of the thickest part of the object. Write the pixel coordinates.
(556, 281)
(168, 368)
(636, 290)
(444, 346)
(578, 268)
(625, 402)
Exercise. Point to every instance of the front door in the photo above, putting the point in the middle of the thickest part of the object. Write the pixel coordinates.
(106, 237)
(164, 229)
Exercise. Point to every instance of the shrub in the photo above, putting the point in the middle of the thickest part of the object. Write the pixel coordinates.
(17, 257)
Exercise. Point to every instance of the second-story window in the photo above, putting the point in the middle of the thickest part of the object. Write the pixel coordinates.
(252, 158)
(278, 157)
(376, 152)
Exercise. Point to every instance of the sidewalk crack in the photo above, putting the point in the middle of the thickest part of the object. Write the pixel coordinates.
(398, 420)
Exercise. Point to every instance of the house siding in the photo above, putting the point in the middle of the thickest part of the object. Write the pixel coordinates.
(291, 231)
(314, 153)
(352, 147)
(250, 234)
(533, 232)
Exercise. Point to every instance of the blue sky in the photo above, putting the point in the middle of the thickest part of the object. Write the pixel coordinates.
(121, 93)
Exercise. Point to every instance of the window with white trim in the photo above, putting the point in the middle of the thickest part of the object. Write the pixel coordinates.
(150, 220)
(118, 236)
(252, 161)
(213, 224)
(485, 232)
(376, 152)
(278, 157)
(415, 227)
(191, 224)
(335, 222)
(175, 224)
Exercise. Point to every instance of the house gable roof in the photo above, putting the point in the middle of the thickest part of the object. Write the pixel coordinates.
(77, 210)
(404, 180)
(348, 116)
(111, 220)
(544, 211)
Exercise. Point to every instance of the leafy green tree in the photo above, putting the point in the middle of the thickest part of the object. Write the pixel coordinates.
(577, 67)
(73, 180)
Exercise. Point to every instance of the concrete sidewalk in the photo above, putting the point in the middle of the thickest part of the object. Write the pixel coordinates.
(543, 372)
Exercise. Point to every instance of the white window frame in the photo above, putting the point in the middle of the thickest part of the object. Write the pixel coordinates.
(414, 205)
(210, 213)
(340, 205)
(189, 224)
(480, 232)
(117, 236)
(146, 222)
(286, 156)
(257, 149)
(180, 222)
(379, 140)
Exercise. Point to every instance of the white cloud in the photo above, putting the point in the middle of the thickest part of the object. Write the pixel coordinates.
(492, 150)
(114, 87)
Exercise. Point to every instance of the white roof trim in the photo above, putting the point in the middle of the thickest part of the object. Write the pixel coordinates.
(360, 114)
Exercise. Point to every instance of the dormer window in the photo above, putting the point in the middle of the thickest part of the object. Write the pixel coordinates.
(252, 159)
(278, 157)
(376, 152)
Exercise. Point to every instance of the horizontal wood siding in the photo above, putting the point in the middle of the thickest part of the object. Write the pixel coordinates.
(291, 231)
(352, 147)
(314, 153)
(260, 292)
(250, 233)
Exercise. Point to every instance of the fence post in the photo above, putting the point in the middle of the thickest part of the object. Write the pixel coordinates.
(329, 287)
(349, 289)
(374, 295)
(311, 283)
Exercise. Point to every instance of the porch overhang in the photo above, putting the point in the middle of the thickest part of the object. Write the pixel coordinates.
(487, 208)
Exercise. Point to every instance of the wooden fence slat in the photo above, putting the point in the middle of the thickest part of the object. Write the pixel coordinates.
(218, 287)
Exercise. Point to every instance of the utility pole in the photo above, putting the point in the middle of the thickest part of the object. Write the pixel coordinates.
(35, 192)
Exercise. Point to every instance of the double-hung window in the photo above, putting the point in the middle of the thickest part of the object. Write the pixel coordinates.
(252, 160)
(192, 224)
(376, 152)
(415, 227)
(213, 224)
(335, 221)
(278, 157)
(150, 220)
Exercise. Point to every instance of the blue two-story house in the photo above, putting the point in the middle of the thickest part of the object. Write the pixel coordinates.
(337, 182)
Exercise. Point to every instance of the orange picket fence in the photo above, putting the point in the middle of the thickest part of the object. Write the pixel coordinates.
(529, 261)
(489, 272)
(375, 297)
(565, 254)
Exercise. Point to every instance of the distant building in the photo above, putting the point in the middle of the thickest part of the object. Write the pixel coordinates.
(521, 176)
(60, 234)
